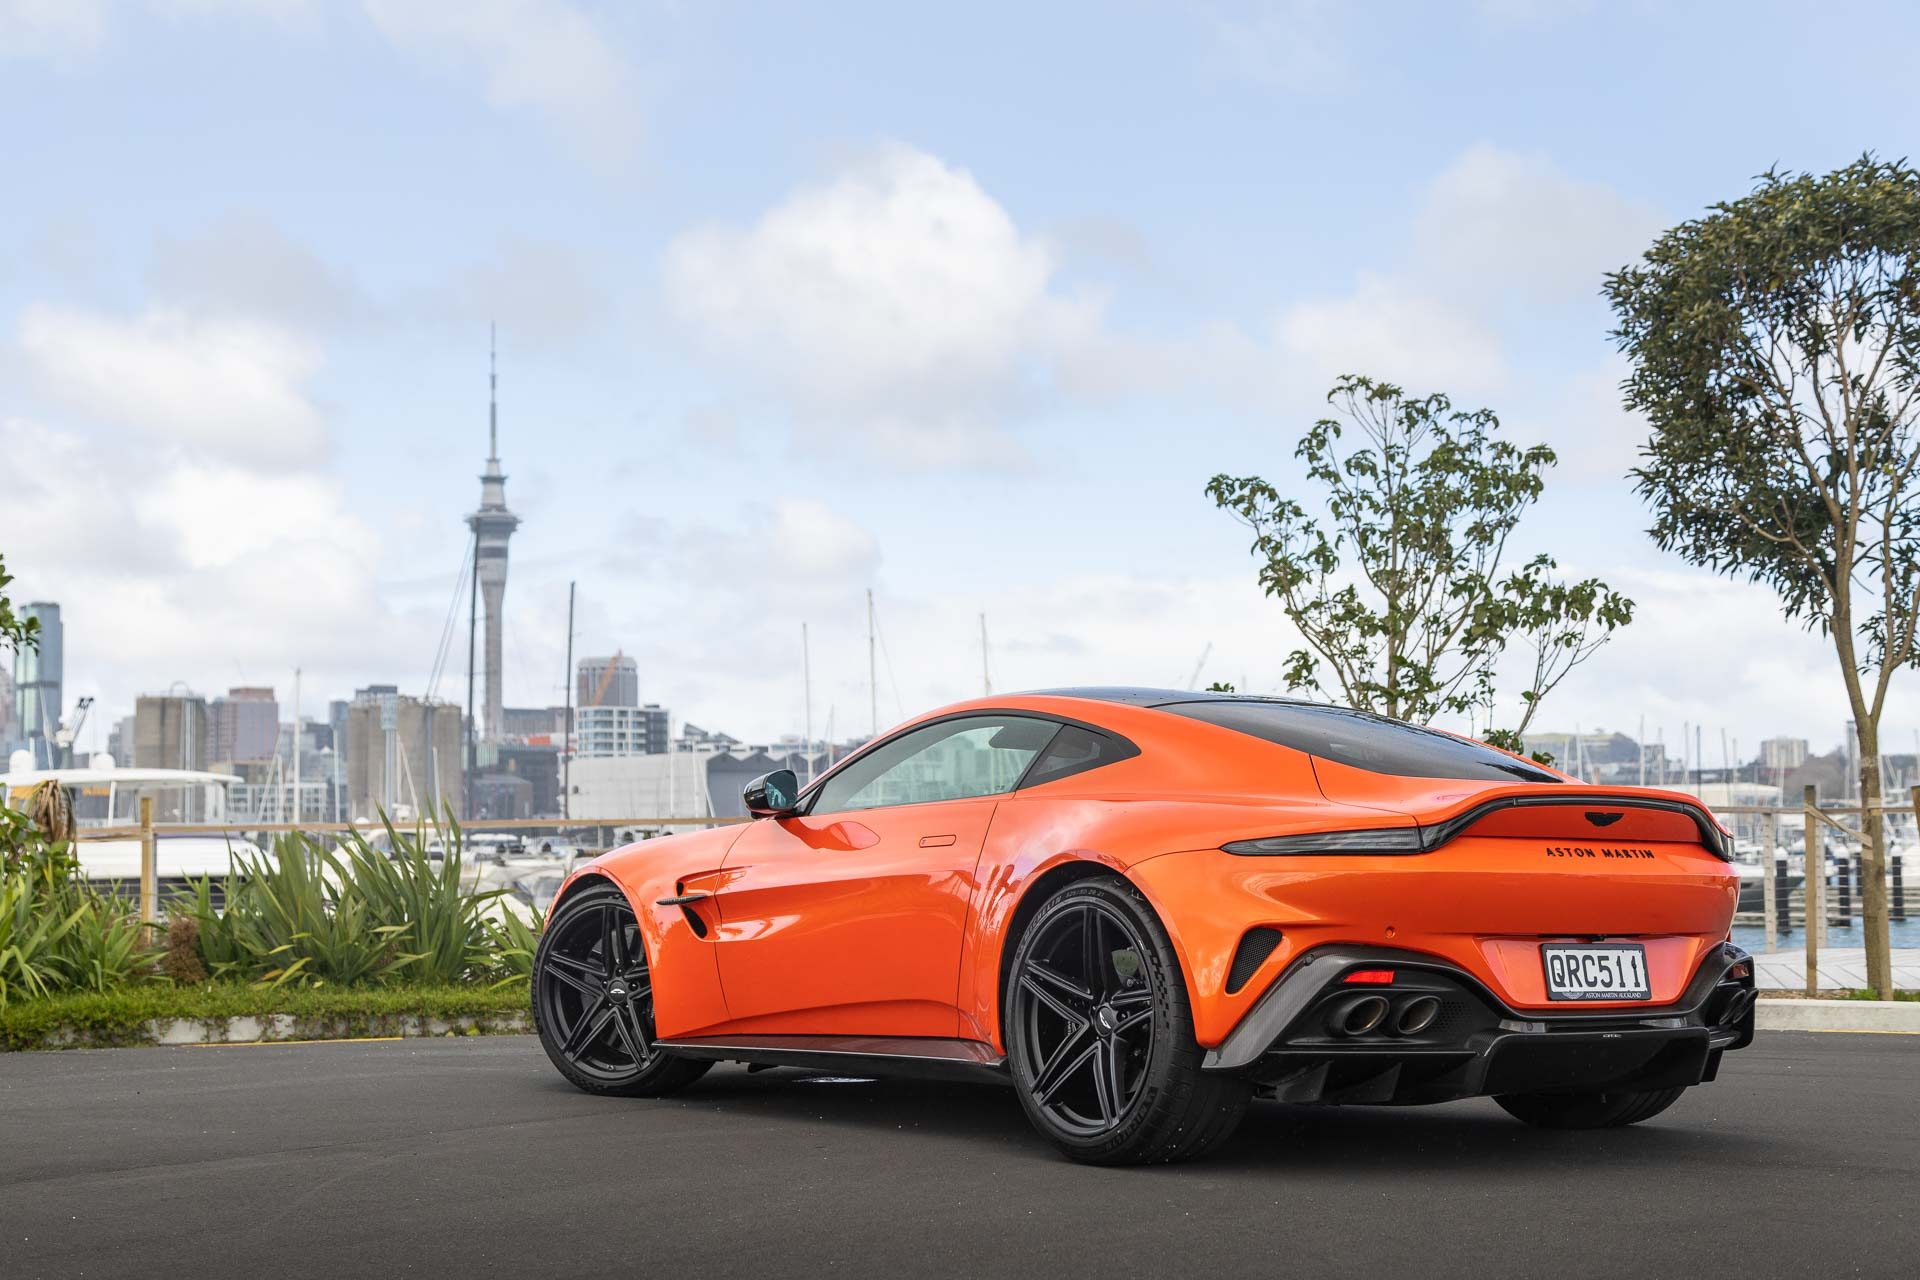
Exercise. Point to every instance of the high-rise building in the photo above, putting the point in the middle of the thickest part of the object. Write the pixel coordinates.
(533, 722)
(38, 672)
(170, 731)
(620, 731)
(120, 740)
(403, 756)
(1783, 753)
(607, 682)
(492, 526)
(244, 725)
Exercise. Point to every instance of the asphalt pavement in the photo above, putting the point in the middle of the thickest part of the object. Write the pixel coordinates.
(472, 1158)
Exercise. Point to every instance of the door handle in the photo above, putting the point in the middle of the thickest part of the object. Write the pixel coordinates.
(680, 900)
(935, 842)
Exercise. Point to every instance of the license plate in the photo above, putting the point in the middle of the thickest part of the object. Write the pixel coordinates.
(1596, 972)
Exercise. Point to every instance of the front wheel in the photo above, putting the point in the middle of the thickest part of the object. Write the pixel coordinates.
(593, 1000)
(1607, 1109)
(1100, 1034)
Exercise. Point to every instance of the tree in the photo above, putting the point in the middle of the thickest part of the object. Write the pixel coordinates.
(15, 632)
(1775, 344)
(1397, 589)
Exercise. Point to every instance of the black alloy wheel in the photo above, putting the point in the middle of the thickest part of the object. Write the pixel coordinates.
(1100, 1034)
(593, 999)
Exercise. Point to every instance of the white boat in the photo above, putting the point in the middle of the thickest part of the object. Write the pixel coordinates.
(106, 796)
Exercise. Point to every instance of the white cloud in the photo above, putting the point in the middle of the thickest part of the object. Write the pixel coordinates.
(544, 56)
(1387, 330)
(245, 265)
(50, 28)
(544, 294)
(819, 543)
(169, 569)
(1497, 221)
(898, 296)
(230, 385)
(1712, 651)
(1282, 44)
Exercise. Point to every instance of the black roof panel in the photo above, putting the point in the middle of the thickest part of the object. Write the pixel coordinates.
(1136, 696)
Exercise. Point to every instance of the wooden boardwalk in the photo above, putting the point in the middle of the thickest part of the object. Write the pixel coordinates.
(1841, 968)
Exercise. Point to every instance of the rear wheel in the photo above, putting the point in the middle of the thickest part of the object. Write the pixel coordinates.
(1606, 1109)
(1100, 1034)
(593, 1000)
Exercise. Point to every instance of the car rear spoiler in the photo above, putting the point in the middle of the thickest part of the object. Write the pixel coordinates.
(1586, 815)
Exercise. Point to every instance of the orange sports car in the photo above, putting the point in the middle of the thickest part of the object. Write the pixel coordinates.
(1143, 908)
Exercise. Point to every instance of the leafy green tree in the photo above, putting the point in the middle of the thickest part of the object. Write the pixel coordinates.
(15, 632)
(1775, 347)
(1396, 582)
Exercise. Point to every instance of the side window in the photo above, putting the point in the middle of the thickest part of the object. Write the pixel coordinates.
(1076, 750)
(952, 760)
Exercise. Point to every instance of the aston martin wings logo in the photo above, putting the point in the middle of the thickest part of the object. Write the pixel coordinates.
(1603, 819)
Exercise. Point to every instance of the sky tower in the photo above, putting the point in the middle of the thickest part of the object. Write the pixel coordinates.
(492, 526)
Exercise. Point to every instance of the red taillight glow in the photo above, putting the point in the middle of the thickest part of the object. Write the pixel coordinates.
(1370, 977)
(1740, 970)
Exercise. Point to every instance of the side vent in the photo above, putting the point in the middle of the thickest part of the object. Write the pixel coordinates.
(1255, 947)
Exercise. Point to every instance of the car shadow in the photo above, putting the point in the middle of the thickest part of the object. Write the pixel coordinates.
(1451, 1137)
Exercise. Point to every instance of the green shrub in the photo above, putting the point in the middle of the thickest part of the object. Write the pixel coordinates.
(31, 930)
(105, 948)
(129, 1016)
(435, 921)
(514, 942)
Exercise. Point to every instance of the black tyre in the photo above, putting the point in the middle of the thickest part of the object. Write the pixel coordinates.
(1100, 1034)
(593, 1000)
(1607, 1109)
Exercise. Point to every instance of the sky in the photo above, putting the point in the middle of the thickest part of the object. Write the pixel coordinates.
(963, 305)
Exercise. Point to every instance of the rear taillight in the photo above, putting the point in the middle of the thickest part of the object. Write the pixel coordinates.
(1370, 977)
(1376, 840)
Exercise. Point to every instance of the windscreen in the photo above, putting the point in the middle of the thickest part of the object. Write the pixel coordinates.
(1363, 741)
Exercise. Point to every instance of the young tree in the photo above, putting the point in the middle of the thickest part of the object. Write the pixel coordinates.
(1397, 588)
(15, 632)
(1775, 345)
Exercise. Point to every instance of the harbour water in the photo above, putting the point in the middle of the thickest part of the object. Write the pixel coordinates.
(1904, 933)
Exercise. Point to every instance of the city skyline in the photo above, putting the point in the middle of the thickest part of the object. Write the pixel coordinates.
(251, 395)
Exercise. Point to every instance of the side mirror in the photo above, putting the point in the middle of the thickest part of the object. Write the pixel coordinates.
(772, 795)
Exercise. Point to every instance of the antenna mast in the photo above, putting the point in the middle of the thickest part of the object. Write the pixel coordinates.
(873, 669)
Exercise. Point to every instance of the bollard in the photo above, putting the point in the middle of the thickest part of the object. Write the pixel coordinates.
(1782, 905)
(1810, 891)
(1899, 911)
(1769, 906)
(1843, 872)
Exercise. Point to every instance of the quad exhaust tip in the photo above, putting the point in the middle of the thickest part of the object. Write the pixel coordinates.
(1359, 1015)
(1363, 1015)
(1416, 1015)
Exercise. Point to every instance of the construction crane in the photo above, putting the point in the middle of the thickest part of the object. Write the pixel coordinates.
(606, 679)
(68, 734)
(1193, 681)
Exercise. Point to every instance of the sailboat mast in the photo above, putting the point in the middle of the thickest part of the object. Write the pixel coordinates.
(806, 682)
(986, 672)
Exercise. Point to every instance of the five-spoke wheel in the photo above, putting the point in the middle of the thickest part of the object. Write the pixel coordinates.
(593, 999)
(1085, 1014)
(1100, 1033)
